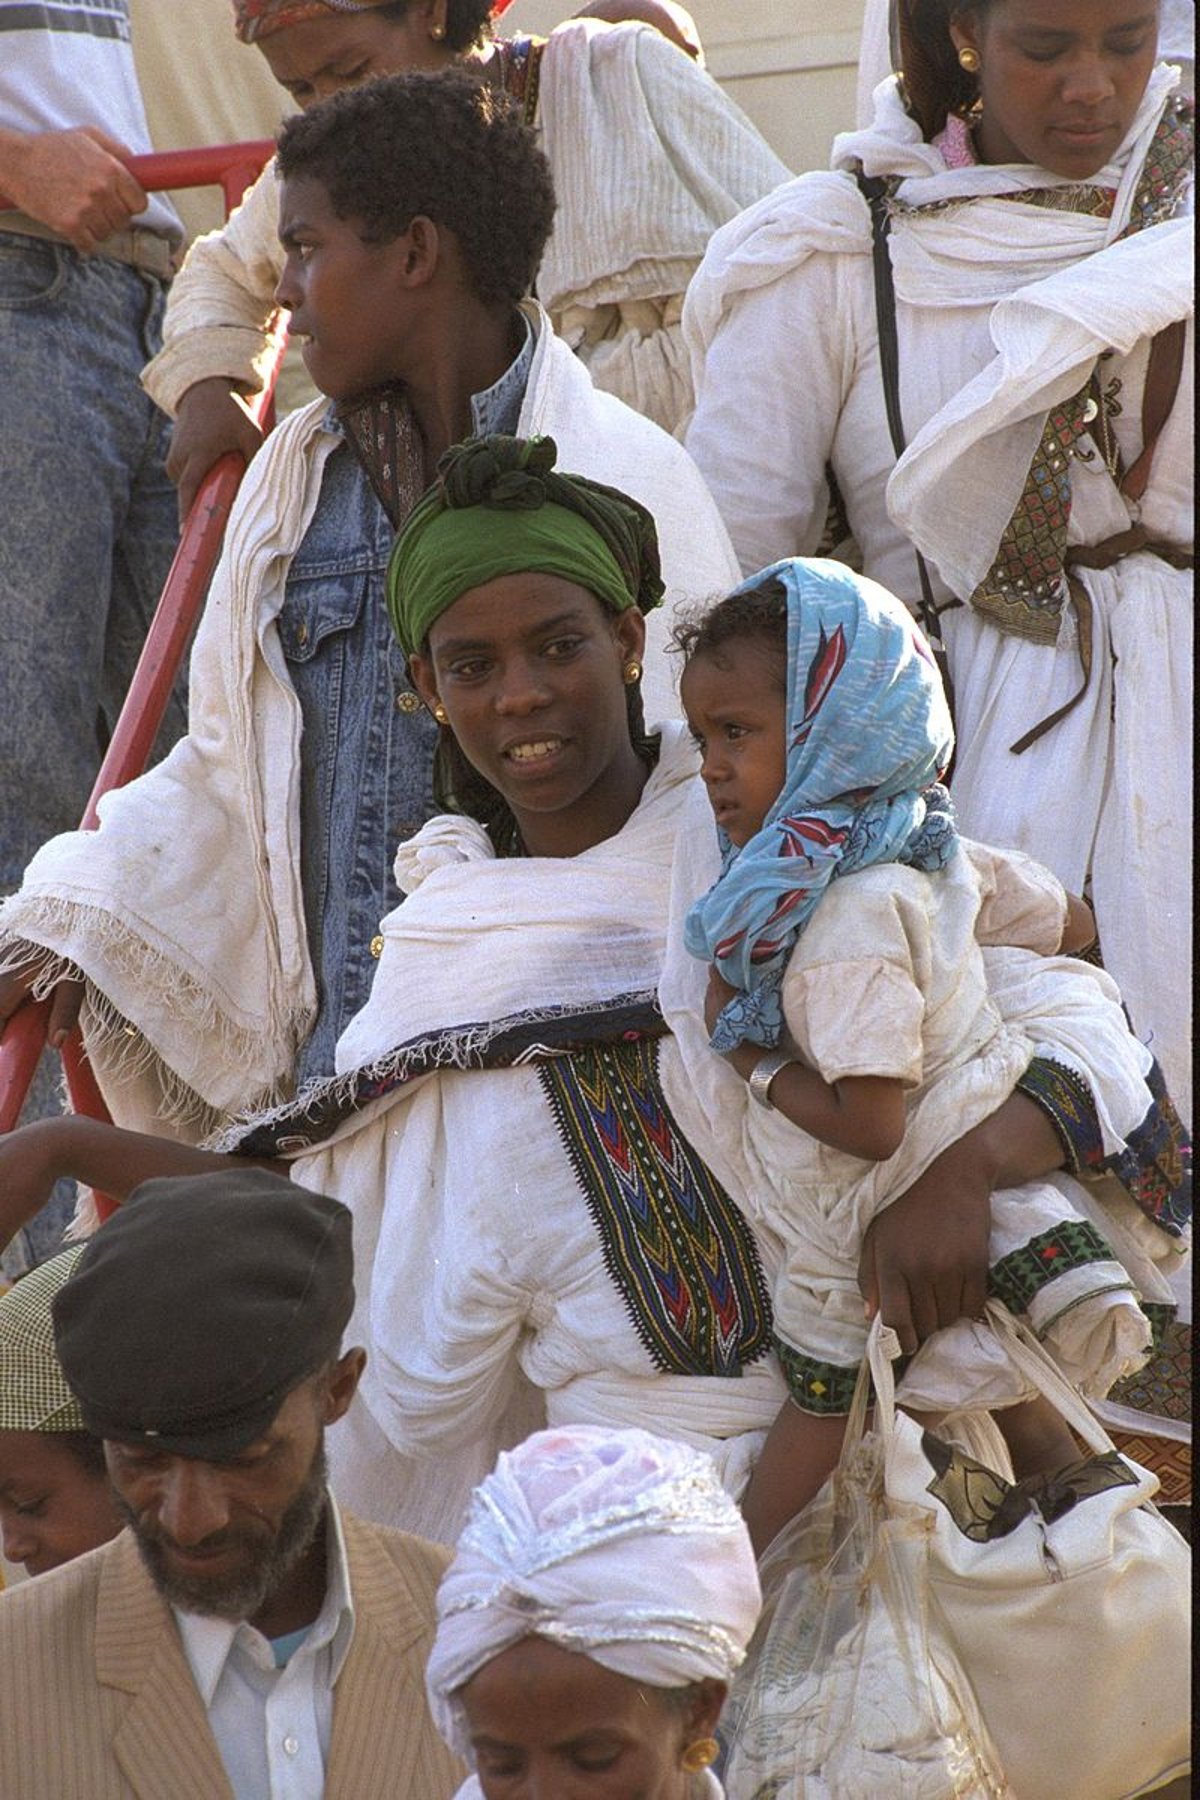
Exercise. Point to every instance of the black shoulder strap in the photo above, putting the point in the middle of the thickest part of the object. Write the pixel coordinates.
(874, 190)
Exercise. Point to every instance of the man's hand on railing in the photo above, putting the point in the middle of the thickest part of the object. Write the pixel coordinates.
(212, 420)
(74, 182)
(66, 998)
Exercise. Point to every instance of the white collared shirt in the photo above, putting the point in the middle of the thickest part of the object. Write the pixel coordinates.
(272, 1725)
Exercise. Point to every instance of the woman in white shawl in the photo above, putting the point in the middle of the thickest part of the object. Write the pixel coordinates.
(1035, 166)
(512, 1126)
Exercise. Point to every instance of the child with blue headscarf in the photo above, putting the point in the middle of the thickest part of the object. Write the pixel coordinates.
(847, 988)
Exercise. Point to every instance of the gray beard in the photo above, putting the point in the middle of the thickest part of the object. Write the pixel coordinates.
(243, 1596)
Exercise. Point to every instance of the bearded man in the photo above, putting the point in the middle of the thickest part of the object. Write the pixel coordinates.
(242, 1635)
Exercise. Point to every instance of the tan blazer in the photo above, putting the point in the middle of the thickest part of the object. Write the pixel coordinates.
(97, 1701)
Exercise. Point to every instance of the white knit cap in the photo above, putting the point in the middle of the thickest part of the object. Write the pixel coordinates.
(619, 1545)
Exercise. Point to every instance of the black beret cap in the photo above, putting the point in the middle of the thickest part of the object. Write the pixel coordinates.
(198, 1307)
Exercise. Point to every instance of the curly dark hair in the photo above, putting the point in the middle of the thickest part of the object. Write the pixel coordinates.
(443, 146)
(933, 82)
(467, 21)
(758, 615)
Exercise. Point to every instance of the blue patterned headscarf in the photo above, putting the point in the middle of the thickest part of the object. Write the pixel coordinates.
(869, 733)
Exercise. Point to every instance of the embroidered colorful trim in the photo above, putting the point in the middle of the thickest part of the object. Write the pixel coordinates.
(1161, 1388)
(1066, 1099)
(816, 1387)
(1020, 1276)
(1155, 1166)
(321, 1107)
(1155, 1169)
(680, 1253)
(521, 72)
(1025, 589)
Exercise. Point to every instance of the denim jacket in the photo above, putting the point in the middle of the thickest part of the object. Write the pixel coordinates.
(367, 742)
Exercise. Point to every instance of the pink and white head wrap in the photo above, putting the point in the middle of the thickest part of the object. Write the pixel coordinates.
(619, 1545)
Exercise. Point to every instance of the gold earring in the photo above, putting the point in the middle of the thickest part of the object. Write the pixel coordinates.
(969, 60)
(700, 1755)
(632, 671)
(440, 713)
(437, 33)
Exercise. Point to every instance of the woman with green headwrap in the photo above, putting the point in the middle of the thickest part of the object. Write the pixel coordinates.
(545, 1224)
(553, 1212)
(537, 1236)
(503, 525)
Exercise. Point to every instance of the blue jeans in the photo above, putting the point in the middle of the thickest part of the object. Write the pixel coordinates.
(88, 527)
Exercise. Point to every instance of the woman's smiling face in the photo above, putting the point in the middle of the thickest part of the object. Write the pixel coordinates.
(530, 670)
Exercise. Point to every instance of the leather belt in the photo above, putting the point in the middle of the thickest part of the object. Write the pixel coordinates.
(148, 251)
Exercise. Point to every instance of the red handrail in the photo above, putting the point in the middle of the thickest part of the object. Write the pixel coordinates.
(232, 167)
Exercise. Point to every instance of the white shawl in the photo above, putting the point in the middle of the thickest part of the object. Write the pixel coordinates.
(184, 908)
(480, 1274)
(1063, 290)
(649, 158)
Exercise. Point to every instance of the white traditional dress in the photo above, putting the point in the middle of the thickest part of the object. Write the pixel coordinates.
(888, 978)
(554, 1216)
(1014, 288)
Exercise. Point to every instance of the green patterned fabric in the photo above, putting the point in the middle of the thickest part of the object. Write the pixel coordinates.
(1025, 590)
(499, 507)
(34, 1395)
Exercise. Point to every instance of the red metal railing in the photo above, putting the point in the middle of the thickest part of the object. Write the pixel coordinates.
(232, 167)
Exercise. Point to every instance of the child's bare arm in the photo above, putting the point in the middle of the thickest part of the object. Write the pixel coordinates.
(101, 1156)
(862, 1115)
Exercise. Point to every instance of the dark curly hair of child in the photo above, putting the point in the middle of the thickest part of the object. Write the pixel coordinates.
(757, 615)
(444, 147)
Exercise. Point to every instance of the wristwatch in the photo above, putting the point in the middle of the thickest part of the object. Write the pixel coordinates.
(763, 1074)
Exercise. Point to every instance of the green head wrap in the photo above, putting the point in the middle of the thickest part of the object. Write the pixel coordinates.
(499, 507)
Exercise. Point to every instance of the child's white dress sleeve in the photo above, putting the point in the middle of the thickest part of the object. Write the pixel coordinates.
(854, 990)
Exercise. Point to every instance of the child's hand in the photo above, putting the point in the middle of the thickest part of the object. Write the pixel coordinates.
(1079, 931)
(717, 998)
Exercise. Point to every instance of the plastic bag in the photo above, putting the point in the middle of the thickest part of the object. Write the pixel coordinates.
(851, 1690)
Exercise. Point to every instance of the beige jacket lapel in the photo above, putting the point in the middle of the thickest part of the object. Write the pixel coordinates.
(385, 1745)
(163, 1743)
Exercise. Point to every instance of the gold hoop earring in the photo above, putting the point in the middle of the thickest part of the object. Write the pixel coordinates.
(969, 60)
(632, 671)
(440, 714)
(700, 1755)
